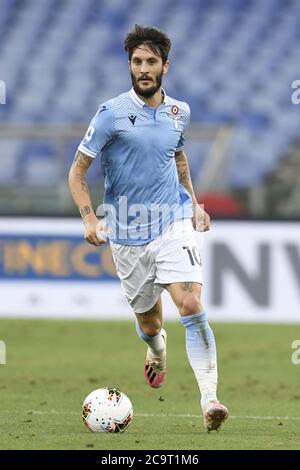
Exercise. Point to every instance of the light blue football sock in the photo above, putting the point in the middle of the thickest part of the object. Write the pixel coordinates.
(201, 351)
(156, 343)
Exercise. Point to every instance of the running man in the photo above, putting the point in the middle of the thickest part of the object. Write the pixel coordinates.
(150, 213)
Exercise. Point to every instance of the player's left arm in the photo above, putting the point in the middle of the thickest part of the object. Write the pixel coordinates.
(201, 220)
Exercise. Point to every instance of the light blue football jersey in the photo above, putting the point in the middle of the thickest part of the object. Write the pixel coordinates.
(137, 145)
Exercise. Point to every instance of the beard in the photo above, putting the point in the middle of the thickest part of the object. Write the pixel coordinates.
(150, 91)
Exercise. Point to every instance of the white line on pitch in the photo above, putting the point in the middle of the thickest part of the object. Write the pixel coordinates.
(147, 415)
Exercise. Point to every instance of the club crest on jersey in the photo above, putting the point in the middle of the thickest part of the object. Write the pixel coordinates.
(174, 115)
(174, 110)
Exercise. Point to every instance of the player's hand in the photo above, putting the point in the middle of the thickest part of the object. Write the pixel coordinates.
(95, 231)
(201, 219)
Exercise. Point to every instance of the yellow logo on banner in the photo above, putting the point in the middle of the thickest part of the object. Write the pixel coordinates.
(56, 258)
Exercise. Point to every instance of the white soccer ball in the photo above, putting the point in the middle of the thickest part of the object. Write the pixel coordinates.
(107, 410)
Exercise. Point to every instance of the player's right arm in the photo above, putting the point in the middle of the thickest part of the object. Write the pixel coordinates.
(81, 195)
(100, 131)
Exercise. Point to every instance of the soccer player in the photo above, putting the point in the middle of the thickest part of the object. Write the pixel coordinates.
(150, 213)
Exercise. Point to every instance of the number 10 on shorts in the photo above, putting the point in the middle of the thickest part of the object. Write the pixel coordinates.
(193, 254)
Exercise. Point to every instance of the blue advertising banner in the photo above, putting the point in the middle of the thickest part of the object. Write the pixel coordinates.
(48, 270)
(54, 257)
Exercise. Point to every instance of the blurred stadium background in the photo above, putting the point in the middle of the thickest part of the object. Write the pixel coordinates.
(233, 61)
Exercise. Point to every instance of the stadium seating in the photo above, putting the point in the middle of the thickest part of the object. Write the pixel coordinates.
(234, 62)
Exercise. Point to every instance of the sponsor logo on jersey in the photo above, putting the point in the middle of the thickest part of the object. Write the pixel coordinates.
(132, 119)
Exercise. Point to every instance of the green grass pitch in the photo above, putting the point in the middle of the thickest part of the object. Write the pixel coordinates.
(52, 365)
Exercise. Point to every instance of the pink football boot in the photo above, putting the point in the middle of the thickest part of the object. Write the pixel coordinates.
(155, 367)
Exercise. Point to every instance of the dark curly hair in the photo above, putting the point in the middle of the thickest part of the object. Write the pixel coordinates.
(157, 41)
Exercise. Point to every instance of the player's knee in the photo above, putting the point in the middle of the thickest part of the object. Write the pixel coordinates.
(190, 304)
(151, 330)
(150, 327)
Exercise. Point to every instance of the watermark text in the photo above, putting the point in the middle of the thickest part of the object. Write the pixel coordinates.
(295, 97)
(2, 92)
(296, 354)
(2, 352)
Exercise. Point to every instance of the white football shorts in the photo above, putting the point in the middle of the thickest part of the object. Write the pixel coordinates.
(145, 269)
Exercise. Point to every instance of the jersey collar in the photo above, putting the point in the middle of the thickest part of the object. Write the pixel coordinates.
(139, 102)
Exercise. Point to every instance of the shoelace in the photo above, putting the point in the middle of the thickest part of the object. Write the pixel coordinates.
(157, 364)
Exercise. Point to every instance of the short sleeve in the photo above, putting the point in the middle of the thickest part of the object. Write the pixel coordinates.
(186, 114)
(99, 133)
